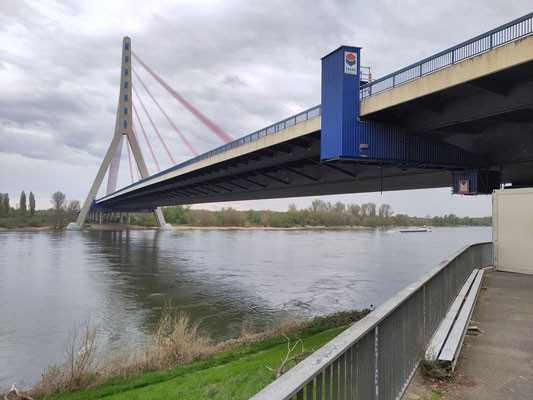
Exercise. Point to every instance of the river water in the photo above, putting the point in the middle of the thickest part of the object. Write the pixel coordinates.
(123, 279)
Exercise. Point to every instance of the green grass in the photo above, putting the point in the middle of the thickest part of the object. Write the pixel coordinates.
(234, 374)
(436, 394)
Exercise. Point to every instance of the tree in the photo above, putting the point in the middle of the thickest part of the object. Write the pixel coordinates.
(253, 217)
(385, 211)
(5, 204)
(339, 207)
(318, 205)
(354, 209)
(32, 203)
(368, 210)
(73, 207)
(58, 200)
(176, 214)
(22, 203)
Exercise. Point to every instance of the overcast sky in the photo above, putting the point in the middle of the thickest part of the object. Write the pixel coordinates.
(245, 64)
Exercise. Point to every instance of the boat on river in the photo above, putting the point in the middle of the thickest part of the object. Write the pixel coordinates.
(416, 230)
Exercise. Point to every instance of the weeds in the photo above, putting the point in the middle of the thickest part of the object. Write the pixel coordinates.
(433, 369)
(436, 394)
(175, 341)
(79, 367)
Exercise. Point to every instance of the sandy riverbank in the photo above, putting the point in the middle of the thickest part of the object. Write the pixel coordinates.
(264, 228)
(28, 229)
(117, 227)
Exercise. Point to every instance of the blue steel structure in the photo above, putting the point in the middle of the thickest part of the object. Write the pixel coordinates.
(346, 138)
(340, 100)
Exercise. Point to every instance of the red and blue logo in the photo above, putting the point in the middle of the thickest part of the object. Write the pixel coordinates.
(350, 59)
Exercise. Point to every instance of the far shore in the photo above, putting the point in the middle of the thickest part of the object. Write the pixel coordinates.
(126, 227)
(28, 229)
(123, 227)
(263, 228)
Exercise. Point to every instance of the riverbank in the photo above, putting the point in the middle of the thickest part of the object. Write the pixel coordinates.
(114, 226)
(111, 226)
(28, 229)
(266, 228)
(237, 369)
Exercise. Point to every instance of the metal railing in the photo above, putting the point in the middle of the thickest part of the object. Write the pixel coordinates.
(509, 32)
(376, 357)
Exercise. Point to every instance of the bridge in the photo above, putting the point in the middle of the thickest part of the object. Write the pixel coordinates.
(461, 118)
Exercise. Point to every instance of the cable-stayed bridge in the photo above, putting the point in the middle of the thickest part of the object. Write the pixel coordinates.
(462, 118)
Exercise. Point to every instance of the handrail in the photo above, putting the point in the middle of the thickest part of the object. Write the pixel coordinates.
(496, 37)
(304, 375)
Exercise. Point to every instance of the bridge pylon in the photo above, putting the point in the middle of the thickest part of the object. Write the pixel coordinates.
(123, 128)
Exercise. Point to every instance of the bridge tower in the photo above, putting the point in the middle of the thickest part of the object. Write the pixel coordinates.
(123, 128)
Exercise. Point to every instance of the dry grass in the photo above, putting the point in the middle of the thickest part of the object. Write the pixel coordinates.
(175, 341)
(435, 370)
(80, 363)
(288, 324)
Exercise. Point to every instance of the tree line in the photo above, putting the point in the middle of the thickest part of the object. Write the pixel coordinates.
(24, 214)
(320, 213)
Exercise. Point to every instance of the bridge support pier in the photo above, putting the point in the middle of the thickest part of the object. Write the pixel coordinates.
(123, 128)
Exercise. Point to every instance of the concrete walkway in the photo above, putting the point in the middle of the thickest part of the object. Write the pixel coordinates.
(497, 363)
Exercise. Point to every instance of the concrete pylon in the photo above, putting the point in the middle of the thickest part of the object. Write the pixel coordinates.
(123, 127)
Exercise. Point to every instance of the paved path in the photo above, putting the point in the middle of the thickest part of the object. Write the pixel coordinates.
(497, 364)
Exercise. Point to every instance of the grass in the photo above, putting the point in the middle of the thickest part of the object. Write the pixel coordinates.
(436, 394)
(236, 373)
(190, 366)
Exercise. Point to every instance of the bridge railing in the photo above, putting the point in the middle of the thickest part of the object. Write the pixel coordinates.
(376, 357)
(509, 32)
(278, 126)
(296, 119)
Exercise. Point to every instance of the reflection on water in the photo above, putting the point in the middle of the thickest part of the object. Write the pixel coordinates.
(123, 279)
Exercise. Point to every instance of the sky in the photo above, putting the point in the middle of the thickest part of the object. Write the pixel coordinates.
(244, 64)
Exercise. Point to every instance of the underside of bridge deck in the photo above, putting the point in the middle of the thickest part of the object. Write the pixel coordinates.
(491, 116)
(290, 169)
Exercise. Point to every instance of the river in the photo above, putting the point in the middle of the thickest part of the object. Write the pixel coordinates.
(122, 280)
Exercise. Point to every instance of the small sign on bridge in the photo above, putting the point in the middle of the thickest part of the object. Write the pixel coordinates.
(464, 187)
